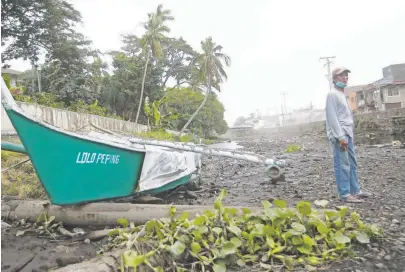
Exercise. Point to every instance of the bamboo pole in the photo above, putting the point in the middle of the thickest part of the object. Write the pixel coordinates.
(210, 151)
(202, 149)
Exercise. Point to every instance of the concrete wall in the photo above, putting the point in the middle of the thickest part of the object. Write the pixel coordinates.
(364, 123)
(69, 120)
(394, 99)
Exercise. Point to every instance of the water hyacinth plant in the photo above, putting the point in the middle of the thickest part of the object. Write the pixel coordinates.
(277, 237)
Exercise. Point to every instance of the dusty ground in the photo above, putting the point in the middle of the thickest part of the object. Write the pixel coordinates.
(309, 177)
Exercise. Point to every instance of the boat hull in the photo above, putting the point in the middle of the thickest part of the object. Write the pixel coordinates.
(74, 170)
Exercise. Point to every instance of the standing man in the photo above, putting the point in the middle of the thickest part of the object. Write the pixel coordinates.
(339, 128)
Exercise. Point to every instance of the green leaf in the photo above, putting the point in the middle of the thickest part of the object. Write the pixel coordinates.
(308, 240)
(183, 216)
(219, 268)
(338, 223)
(203, 229)
(131, 259)
(178, 248)
(355, 216)
(321, 203)
(246, 211)
(298, 227)
(231, 211)
(305, 249)
(280, 203)
(304, 207)
(240, 262)
(123, 222)
(217, 230)
(184, 238)
(236, 241)
(362, 237)
(322, 228)
(343, 210)
(200, 220)
(228, 248)
(235, 230)
(314, 260)
(195, 247)
(113, 232)
(296, 240)
(172, 211)
(340, 238)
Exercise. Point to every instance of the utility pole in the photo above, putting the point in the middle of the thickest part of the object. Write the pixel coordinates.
(283, 106)
(328, 63)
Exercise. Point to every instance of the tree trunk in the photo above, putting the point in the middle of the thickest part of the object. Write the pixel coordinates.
(143, 86)
(200, 107)
(93, 214)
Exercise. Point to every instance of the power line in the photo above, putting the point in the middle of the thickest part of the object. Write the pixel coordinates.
(328, 63)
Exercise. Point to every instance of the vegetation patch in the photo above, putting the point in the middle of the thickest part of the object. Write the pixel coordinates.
(279, 237)
(21, 181)
(293, 148)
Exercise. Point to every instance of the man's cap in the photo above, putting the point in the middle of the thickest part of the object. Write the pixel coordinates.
(339, 70)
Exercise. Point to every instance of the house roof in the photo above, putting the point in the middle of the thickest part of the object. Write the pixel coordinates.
(10, 71)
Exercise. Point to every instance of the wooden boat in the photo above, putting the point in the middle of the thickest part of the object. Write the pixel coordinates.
(75, 168)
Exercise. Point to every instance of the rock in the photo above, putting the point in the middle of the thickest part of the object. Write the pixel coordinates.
(5, 225)
(379, 265)
(190, 195)
(147, 199)
(87, 241)
(387, 257)
(66, 260)
(395, 221)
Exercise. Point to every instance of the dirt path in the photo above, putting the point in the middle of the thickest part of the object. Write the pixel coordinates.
(309, 177)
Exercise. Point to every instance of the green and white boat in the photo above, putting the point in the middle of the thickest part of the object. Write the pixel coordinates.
(74, 168)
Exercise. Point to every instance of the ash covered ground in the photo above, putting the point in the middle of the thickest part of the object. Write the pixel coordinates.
(309, 177)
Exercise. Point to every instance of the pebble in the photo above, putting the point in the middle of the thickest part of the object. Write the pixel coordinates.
(395, 221)
(66, 260)
(379, 265)
(387, 257)
(191, 195)
(87, 241)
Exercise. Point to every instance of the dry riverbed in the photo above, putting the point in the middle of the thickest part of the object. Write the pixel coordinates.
(309, 177)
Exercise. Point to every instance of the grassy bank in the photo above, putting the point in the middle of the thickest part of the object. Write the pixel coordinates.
(21, 181)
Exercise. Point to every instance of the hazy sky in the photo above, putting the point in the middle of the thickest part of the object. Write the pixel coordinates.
(274, 45)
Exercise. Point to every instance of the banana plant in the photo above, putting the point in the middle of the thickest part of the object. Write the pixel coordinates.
(152, 112)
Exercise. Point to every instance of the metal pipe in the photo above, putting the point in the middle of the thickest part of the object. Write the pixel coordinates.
(13, 147)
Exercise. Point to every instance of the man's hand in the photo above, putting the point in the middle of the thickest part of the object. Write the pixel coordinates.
(343, 145)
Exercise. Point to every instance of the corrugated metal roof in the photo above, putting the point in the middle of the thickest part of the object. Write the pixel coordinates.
(10, 71)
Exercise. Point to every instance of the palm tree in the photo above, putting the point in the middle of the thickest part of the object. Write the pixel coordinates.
(210, 73)
(151, 41)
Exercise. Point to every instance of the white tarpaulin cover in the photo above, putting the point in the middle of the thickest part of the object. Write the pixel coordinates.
(161, 165)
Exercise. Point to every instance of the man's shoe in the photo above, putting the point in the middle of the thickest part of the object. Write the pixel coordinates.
(363, 195)
(352, 199)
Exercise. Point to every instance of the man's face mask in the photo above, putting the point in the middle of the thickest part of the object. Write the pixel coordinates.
(341, 85)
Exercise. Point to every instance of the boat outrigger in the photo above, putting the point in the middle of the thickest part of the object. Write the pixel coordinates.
(74, 168)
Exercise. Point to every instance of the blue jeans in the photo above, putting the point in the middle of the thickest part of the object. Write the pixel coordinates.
(345, 168)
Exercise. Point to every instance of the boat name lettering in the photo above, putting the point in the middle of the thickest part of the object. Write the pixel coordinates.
(86, 157)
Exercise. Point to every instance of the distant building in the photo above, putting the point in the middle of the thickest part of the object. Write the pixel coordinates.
(351, 92)
(384, 94)
(13, 75)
